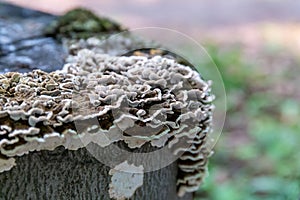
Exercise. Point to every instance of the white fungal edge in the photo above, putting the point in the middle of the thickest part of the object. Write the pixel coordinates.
(6, 165)
(125, 180)
(69, 139)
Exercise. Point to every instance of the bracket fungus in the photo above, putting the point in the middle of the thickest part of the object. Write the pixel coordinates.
(135, 99)
(141, 99)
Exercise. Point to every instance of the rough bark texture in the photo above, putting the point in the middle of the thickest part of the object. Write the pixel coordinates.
(58, 174)
(63, 174)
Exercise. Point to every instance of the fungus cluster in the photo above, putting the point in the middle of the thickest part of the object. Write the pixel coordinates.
(134, 99)
(116, 45)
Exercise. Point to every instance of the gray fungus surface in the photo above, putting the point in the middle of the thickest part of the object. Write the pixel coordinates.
(135, 99)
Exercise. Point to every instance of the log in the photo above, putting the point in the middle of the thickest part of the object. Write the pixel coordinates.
(64, 171)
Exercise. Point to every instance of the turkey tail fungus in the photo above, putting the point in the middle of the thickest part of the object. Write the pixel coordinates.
(140, 104)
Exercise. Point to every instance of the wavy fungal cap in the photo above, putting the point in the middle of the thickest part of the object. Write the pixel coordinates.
(135, 99)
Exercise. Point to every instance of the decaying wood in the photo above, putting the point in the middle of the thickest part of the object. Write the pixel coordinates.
(62, 173)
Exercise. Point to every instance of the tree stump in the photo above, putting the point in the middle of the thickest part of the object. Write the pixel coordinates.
(26, 44)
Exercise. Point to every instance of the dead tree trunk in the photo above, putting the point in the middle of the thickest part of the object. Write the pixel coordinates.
(59, 174)
(64, 174)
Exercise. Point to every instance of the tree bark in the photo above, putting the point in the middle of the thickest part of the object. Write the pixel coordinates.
(59, 174)
(23, 47)
(64, 174)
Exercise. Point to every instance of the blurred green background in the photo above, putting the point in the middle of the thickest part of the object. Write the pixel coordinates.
(257, 156)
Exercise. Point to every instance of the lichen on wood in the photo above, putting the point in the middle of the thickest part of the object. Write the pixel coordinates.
(81, 23)
(125, 180)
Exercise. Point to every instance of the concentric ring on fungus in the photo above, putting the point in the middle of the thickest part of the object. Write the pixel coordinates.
(151, 100)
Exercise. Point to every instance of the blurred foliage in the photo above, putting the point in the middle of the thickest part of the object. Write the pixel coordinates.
(257, 156)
